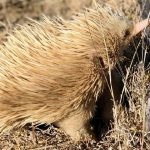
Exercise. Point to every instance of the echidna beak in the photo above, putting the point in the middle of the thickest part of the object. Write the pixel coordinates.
(138, 27)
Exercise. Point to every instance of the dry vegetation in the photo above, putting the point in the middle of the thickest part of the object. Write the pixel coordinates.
(128, 131)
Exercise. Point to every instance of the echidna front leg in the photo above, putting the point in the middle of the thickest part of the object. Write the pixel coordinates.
(76, 126)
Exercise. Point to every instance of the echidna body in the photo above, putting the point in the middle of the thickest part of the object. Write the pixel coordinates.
(53, 71)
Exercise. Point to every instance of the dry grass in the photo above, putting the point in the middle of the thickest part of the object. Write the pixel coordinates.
(129, 126)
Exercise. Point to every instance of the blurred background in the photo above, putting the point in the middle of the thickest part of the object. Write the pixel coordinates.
(14, 12)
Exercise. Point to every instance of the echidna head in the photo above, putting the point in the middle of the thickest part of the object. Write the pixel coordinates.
(126, 31)
(114, 33)
(109, 33)
(119, 36)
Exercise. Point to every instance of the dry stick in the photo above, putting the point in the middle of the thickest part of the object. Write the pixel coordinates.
(51, 146)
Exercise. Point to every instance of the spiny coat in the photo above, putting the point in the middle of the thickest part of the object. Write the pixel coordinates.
(52, 71)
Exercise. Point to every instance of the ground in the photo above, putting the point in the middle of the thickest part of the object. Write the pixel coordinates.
(128, 128)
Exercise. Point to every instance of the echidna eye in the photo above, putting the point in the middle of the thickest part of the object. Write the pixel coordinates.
(126, 33)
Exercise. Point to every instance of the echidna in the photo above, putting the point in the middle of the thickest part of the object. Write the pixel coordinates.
(52, 71)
